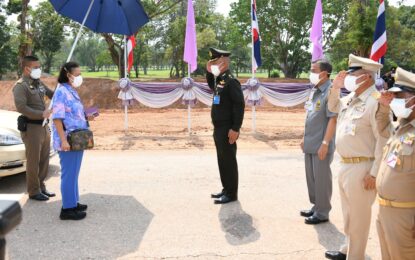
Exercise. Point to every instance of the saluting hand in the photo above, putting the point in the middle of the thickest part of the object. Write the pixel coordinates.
(338, 82)
(233, 136)
(386, 98)
(369, 182)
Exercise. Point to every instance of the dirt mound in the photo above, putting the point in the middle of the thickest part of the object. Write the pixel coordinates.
(102, 93)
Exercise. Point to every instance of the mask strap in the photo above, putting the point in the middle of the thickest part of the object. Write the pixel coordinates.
(407, 101)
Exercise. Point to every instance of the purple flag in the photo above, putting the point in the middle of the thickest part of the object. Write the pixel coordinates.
(190, 45)
(316, 34)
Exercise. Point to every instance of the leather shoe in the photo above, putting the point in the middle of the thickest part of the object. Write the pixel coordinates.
(335, 255)
(217, 195)
(225, 199)
(81, 207)
(72, 214)
(306, 213)
(39, 197)
(313, 220)
(48, 193)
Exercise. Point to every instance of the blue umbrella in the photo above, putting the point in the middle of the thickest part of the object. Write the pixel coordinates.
(106, 16)
(103, 16)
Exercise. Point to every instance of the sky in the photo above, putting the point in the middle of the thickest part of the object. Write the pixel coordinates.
(224, 6)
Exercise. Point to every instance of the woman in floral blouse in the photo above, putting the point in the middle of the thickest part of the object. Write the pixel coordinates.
(69, 115)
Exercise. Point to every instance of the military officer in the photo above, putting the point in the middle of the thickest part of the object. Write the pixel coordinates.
(29, 97)
(396, 179)
(359, 144)
(227, 116)
(317, 145)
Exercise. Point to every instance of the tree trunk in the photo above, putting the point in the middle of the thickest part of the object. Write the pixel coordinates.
(25, 42)
(116, 52)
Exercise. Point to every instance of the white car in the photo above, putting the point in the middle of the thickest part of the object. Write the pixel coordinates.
(12, 149)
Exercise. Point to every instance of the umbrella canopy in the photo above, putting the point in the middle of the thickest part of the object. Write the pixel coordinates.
(106, 16)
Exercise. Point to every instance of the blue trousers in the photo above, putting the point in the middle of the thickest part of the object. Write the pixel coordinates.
(70, 168)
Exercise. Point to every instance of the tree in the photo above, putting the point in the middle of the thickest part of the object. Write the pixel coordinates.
(88, 49)
(7, 53)
(356, 34)
(285, 27)
(47, 31)
(104, 60)
(115, 43)
(21, 7)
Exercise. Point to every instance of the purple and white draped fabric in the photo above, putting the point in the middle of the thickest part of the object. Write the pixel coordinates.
(158, 95)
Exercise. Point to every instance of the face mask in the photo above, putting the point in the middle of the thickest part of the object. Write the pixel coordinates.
(77, 81)
(215, 70)
(398, 106)
(35, 73)
(350, 83)
(314, 78)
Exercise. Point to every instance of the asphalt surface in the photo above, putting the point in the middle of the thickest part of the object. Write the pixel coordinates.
(156, 205)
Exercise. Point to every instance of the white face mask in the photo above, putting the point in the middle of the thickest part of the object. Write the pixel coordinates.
(398, 106)
(350, 83)
(215, 70)
(314, 78)
(36, 73)
(77, 81)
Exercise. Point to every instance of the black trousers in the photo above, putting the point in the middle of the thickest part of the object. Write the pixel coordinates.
(228, 166)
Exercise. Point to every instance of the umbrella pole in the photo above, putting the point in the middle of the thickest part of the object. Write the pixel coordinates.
(80, 31)
(125, 76)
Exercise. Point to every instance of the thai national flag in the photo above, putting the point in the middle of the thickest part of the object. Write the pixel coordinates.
(256, 53)
(130, 48)
(380, 45)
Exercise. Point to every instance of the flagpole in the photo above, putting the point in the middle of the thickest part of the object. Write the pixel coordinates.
(189, 109)
(125, 76)
(252, 69)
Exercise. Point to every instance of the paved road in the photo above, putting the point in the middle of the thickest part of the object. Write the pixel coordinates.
(156, 205)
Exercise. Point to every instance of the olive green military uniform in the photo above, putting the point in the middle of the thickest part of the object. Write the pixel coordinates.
(226, 115)
(396, 188)
(29, 98)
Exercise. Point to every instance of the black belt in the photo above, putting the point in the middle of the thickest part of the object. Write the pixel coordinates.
(35, 122)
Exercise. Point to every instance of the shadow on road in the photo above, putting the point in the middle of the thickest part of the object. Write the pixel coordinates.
(237, 224)
(115, 226)
(17, 183)
(329, 236)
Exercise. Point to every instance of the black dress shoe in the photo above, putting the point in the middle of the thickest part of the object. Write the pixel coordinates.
(217, 195)
(335, 255)
(39, 197)
(48, 193)
(314, 220)
(225, 199)
(72, 214)
(81, 207)
(306, 213)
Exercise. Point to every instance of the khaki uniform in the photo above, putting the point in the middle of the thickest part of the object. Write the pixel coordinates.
(396, 185)
(360, 144)
(29, 98)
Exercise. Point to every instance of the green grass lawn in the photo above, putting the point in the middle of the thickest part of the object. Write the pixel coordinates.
(151, 74)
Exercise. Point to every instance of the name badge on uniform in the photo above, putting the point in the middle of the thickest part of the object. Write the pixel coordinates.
(350, 129)
(407, 139)
(308, 106)
(392, 159)
(216, 100)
